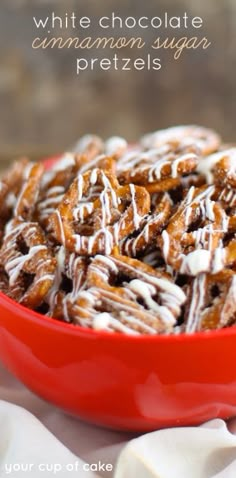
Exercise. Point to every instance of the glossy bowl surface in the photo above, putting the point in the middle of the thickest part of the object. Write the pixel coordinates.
(120, 381)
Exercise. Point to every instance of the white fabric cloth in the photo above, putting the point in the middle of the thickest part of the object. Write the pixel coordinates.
(29, 447)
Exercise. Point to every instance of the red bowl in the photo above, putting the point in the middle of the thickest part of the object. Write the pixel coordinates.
(120, 381)
(136, 383)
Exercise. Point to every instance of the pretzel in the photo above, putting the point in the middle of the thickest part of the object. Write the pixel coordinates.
(49, 201)
(212, 302)
(224, 171)
(55, 183)
(11, 181)
(206, 166)
(113, 214)
(116, 146)
(82, 311)
(133, 239)
(89, 146)
(149, 228)
(198, 250)
(226, 196)
(107, 163)
(10, 185)
(58, 179)
(141, 282)
(28, 194)
(28, 263)
(165, 185)
(200, 140)
(94, 153)
(153, 168)
(70, 276)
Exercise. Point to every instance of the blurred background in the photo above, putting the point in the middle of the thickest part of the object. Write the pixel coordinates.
(45, 106)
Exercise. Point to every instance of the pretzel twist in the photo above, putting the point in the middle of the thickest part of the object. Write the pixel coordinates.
(203, 141)
(89, 222)
(212, 302)
(149, 228)
(133, 306)
(224, 170)
(28, 263)
(192, 241)
(136, 239)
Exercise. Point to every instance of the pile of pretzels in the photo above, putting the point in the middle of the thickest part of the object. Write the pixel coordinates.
(134, 239)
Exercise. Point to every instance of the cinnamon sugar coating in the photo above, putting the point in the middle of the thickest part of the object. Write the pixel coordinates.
(136, 239)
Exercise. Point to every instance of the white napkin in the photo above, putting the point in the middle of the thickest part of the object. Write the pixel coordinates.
(208, 451)
(27, 448)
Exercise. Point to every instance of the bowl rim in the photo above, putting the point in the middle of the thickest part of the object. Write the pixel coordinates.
(77, 330)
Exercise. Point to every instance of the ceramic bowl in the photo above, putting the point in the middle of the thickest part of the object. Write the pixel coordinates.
(136, 383)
